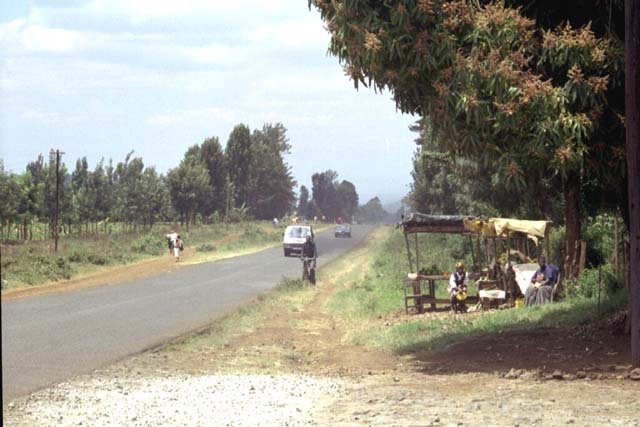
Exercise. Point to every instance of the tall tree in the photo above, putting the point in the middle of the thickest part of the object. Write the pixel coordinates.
(213, 158)
(238, 154)
(347, 199)
(499, 90)
(632, 48)
(372, 211)
(189, 186)
(325, 194)
(270, 192)
(303, 202)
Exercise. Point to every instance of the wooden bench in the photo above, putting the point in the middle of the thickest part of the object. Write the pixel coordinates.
(418, 294)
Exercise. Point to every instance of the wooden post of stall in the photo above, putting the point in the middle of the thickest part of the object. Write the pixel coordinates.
(547, 245)
(406, 239)
(495, 248)
(473, 256)
(432, 293)
(486, 251)
(417, 288)
(417, 254)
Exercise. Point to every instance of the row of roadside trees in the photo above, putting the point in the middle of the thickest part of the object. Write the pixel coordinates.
(248, 177)
(329, 198)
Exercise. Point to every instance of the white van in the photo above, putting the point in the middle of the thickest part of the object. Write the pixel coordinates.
(294, 238)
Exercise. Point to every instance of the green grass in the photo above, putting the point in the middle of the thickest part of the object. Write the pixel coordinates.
(291, 295)
(378, 290)
(34, 262)
(370, 302)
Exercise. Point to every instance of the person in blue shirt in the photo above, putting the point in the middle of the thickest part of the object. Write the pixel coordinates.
(539, 291)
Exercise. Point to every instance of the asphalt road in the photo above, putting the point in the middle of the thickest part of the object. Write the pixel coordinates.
(48, 339)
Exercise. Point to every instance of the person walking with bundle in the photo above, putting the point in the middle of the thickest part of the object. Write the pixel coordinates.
(177, 248)
(171, 239)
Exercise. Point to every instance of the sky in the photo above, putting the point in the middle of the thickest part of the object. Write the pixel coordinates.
(100, 78)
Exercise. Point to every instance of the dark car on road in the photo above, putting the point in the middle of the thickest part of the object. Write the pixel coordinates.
(342, 230)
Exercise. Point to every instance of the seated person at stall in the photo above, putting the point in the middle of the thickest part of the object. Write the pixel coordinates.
(539, 291)
(458, 288)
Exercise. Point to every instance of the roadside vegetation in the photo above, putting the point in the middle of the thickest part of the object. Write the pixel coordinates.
(34, 263)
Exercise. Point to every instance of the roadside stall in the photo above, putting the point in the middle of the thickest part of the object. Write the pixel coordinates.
(498, 281)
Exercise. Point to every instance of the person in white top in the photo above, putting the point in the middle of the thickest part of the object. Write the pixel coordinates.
(177, 247)
(171, 240)
(457, 288)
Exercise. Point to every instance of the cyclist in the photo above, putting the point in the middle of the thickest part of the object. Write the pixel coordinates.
(309, 248)
(309, 255)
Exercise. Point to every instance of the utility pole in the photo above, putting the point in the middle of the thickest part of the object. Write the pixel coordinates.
(632, 124)
(229, 197)
(56, 230)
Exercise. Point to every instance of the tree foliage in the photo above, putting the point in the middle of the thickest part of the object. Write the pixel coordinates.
(253, 166)
(372, 211)
(332, 198)
(531, 101)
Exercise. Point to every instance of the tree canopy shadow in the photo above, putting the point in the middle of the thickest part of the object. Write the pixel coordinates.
(566, 338)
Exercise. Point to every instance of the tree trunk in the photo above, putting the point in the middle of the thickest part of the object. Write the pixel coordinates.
(632, 123)
(573, 224)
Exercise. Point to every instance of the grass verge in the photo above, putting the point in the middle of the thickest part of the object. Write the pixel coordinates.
(369, 302)
(292, 295)
(33, 263)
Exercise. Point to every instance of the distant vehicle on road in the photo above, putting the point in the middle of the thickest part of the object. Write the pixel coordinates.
(342, 230)
(294, 237)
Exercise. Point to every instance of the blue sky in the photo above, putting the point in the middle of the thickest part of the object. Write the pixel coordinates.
(100, 78)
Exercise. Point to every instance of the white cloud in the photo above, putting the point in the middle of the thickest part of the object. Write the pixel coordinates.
(299, 33)
(193, 116)
(141, 11)
(214, 54)
(20, 35)
(51, 117)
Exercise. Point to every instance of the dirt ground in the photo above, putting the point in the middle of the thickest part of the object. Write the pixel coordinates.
(549, 377)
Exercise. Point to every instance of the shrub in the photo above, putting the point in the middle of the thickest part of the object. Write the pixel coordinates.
(98, 259)
(206, 247)
(77, 257)
(587, 284)
(600, 240)
(150, 244)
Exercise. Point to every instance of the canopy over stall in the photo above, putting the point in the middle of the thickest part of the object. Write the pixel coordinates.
(423, 223)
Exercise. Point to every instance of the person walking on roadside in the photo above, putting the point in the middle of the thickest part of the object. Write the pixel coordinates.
(171, 239)
(177, 248)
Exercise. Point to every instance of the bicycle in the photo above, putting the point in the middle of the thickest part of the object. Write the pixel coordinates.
(308, 269)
